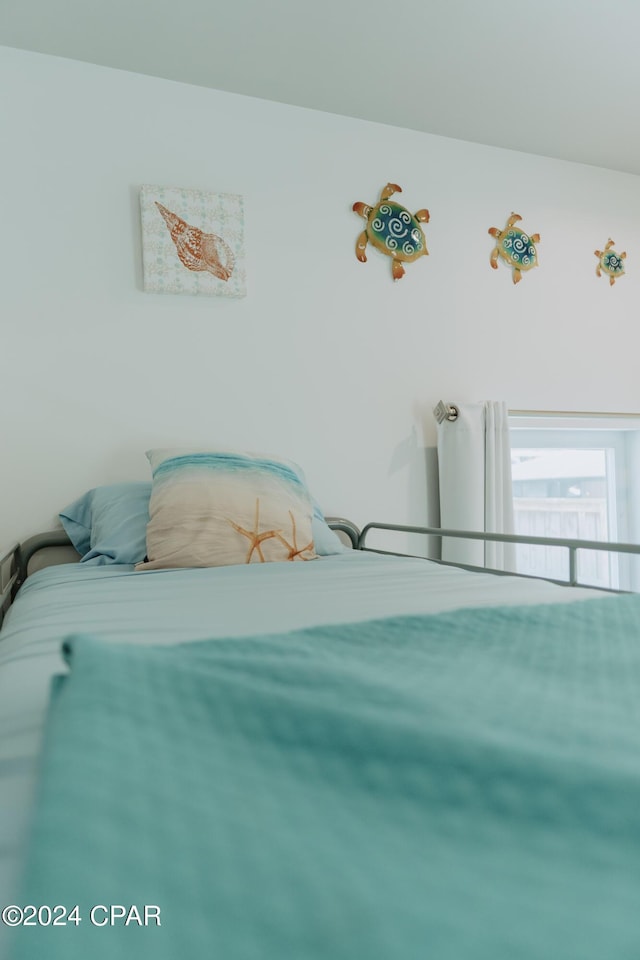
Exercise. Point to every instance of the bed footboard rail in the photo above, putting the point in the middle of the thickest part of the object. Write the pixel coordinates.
(572, 545)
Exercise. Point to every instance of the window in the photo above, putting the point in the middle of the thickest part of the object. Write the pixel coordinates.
(577, 478)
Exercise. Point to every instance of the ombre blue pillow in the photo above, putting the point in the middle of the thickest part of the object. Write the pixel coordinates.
(217, 508)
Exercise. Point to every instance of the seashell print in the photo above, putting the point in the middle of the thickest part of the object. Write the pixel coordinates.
(198, 250)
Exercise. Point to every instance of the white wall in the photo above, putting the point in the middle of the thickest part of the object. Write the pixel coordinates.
(326, 360)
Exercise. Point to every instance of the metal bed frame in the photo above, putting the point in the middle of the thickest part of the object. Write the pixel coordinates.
(572, 545)
(14, 566)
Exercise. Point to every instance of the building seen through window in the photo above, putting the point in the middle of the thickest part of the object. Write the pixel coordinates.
(577, 479)
(561, 493)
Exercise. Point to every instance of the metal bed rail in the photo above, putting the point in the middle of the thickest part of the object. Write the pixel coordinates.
(345, 526)
(9, 578)
(572, 545)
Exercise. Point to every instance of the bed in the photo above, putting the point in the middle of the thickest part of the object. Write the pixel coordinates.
(360, 756)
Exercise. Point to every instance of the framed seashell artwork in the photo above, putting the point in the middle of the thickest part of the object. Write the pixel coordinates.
(192, 242)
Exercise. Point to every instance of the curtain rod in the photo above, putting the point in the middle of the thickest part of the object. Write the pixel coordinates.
(448, 411)
(572, 413)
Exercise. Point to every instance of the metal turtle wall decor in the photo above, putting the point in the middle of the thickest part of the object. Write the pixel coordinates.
(393, 230)
(515, 246)
(610, 262)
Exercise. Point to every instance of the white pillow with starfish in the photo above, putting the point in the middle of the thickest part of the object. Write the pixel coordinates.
(213, 508)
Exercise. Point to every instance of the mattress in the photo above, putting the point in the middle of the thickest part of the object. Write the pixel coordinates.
(118, 606)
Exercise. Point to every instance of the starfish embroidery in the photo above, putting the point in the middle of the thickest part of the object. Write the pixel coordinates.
(255, 538)
(293, 549)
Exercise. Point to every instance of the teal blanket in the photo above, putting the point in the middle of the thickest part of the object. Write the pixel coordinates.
(457, 787)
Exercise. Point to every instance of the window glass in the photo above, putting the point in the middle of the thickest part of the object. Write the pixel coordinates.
(577, 480)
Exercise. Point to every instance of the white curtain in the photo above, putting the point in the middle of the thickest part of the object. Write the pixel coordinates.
(474, 467)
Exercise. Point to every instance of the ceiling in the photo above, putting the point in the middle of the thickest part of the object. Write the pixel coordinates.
(552, 77)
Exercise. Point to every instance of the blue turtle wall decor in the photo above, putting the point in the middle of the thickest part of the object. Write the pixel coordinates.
(393, 230)
(515, 246)
(611, 262)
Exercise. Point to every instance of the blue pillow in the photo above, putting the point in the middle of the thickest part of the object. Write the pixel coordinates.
(326, 540)
(109, 525)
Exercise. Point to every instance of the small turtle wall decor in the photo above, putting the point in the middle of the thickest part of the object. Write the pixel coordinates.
(515, 246)
(611, 262)
(392, 230)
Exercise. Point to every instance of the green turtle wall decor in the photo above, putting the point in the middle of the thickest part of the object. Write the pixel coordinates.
(611, 262)
(392, 230)
(515, 246)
